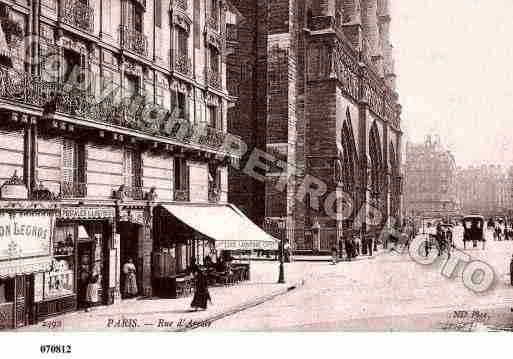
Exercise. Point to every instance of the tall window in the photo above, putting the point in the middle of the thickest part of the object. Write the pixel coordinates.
(73, 169)
(214, 177)
(6, 290)
(179, 104)
(214, 10)
(158, 13)
(73, 67)
(134, 19)
(181, 174)
(132, 86)
(182, 41)
(132, 168)
(214, 59)
(214, 118)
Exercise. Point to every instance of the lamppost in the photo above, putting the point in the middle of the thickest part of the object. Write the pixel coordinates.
(281, 227)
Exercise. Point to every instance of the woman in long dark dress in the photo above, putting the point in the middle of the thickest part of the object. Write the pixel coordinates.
(201, 293)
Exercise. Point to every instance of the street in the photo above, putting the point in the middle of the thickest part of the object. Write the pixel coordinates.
(388, 293)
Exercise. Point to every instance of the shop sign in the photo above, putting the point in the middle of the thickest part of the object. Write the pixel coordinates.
(246, 245)
(87, 213)
(25, 235)
(132, 216)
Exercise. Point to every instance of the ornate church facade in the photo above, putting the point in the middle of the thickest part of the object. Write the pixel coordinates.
(315, 82)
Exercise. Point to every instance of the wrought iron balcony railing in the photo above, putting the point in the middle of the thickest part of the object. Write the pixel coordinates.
(77, 14)
(182, 63)
(181, 4)
(73, 190)
(232, 33)
(133, 40)
(55, 97)
(181, 195)
(213, 22)
(213, 78)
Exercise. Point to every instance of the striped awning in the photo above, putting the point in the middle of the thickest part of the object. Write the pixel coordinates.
(4, 48)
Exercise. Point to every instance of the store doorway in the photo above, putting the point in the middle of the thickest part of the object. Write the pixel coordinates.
(129, 249)
(85, 269)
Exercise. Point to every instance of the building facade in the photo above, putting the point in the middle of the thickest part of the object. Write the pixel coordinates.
(315, 82)
(108, 109)
(430, 180)
(483, 189)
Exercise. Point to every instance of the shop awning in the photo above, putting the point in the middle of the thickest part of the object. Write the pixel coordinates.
(225, 224)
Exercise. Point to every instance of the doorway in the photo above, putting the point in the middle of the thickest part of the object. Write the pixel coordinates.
(129, 249)
(85, 269)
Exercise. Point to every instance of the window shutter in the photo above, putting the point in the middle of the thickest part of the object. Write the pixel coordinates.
(79, 165)
(67, 161)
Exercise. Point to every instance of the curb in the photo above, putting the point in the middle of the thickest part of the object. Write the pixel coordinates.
(245, 306)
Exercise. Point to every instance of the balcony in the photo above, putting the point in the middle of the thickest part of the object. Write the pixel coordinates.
(133, 40)
(54, 97)
(232, 33)
(181, 4)
(182, 63)
(214, 78)
(214, 193)
(213, 22)
(73, 190)
(181, 195)
(77, 14)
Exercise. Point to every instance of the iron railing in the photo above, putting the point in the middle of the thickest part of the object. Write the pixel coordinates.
(77, 14)
(232, 33)
(55, 97)
(181, 4)
(133, 40)
(182, 63)
(213, 78)
(181, 195)
(136, 193)
(73, 190)
(213, 22)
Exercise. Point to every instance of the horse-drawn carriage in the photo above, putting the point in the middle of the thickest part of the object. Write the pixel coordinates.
(473, 230)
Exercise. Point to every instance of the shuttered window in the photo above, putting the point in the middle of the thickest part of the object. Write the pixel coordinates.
(73, 162)
(181, 173)
(132, 168)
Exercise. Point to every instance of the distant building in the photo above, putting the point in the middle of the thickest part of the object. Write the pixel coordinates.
(430, 174)
(483, 189)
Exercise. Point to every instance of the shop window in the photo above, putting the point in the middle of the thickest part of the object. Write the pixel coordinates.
(6, 291)
(132, 168)
(60, 281)
(181, 173)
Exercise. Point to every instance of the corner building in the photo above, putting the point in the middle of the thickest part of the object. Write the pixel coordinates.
(78, 151)
(315, 82)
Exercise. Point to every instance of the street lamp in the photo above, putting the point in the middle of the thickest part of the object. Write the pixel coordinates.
(281, 276)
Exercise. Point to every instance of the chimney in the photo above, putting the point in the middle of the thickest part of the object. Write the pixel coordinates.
(371, 32)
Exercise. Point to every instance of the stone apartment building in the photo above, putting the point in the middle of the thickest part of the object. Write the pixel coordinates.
(483, 189)
(430, 188)
(315, 82)
(113, 119)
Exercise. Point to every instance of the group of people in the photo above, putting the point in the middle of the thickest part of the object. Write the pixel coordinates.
(353, 246)
(501, 230)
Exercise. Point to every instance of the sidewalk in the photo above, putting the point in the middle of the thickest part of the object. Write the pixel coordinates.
(156, 314)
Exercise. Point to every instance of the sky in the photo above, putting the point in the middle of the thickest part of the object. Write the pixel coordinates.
(454, 62)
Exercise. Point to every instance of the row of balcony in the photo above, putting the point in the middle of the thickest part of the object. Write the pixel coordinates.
(66, 99)
(71, 190)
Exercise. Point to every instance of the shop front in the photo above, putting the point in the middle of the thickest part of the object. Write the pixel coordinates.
(82, 242)
(187, 236)
(25, 255)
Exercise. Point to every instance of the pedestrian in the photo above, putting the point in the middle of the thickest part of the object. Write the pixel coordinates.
(130, 288)
(92, 292)
(334, 255)
(286, 251)
(201, 293)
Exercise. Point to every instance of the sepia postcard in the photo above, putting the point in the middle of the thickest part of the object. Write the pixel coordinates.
(255, 166)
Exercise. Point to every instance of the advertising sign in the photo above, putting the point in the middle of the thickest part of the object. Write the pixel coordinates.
(25, 235)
